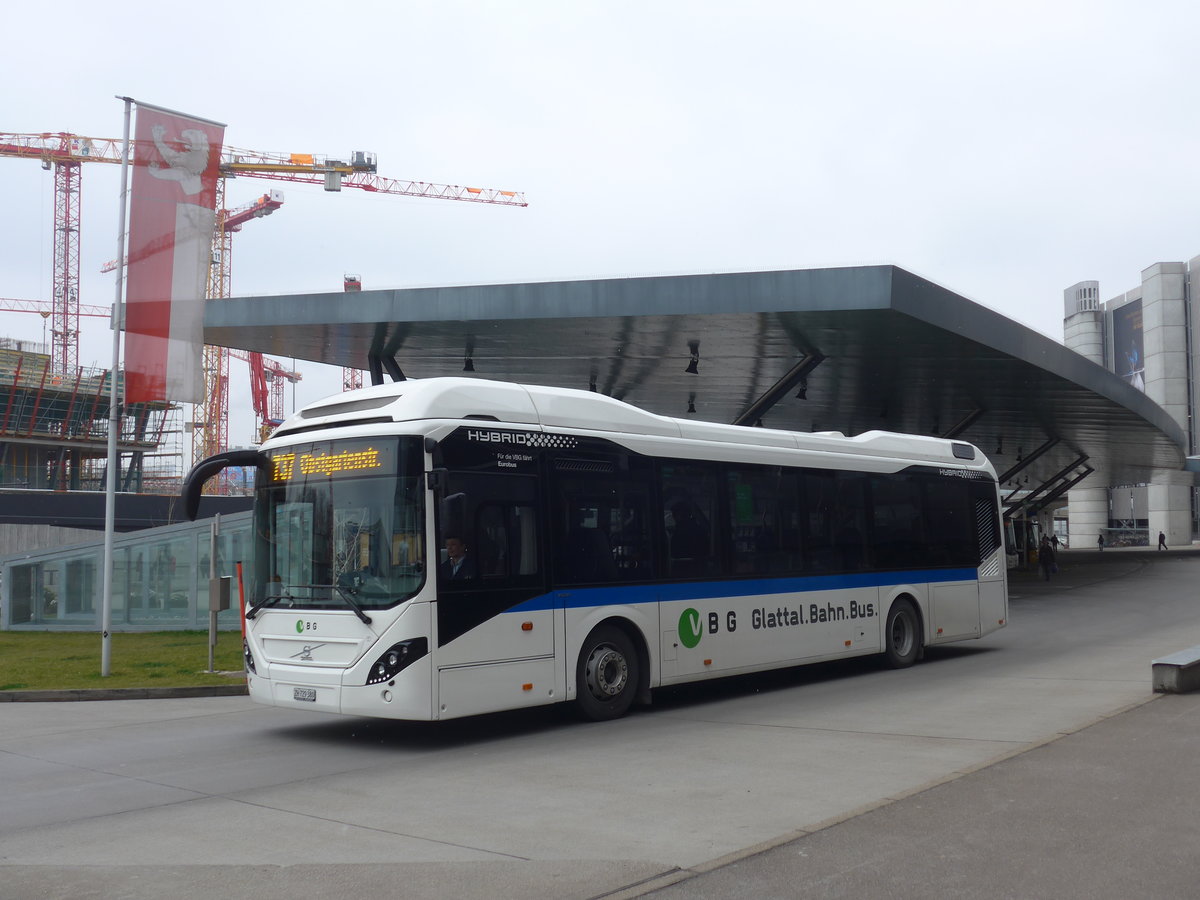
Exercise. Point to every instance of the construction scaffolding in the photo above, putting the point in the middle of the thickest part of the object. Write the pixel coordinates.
(54, 428)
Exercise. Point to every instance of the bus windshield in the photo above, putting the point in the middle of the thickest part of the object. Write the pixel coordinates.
(340, 524)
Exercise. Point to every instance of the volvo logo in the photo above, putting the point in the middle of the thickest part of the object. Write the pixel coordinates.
(306, 653)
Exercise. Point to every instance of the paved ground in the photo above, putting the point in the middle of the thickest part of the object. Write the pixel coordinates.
(1107, 812)
(1033, 764)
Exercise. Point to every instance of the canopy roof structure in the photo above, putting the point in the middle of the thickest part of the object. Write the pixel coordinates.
(844, 349)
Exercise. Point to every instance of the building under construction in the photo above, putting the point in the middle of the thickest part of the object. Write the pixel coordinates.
(54, 428)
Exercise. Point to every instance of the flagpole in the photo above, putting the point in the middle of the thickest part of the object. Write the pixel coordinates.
(114, 416)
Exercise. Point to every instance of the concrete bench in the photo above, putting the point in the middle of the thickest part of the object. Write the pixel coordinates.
(1178, 673)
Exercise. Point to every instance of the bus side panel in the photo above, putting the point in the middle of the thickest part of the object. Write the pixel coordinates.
(470, 690)
(993, 606)
(954, 608)
(512, 635)
(720, 635)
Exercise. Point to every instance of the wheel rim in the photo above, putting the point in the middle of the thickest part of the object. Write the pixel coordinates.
(606, 672)
(903, 635)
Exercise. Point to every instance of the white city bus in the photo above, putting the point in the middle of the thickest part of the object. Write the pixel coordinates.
(609, 551)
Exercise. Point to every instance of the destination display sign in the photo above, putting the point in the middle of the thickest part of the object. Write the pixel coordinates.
(336, 459)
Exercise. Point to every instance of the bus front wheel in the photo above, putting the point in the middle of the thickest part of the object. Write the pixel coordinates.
(902, 635)
(607, 676)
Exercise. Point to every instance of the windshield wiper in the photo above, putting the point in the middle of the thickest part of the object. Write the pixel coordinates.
(354, 606)
(267, 601)
(345, 598)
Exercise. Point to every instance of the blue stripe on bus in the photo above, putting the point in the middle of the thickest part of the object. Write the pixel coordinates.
(575, 598)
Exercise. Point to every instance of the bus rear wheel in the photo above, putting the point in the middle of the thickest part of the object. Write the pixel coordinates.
(607, 676)
(902, 635)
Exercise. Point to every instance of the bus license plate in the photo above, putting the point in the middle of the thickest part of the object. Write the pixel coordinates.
(309, 694)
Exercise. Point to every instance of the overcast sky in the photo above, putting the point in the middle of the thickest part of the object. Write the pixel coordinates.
(1003, 150)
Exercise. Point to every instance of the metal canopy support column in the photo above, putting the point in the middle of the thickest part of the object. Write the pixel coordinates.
(1026, 460)
(380, 361)
(1053, 487)
(382, 355)
(1057, 485)
(966, 422)
(794, 378)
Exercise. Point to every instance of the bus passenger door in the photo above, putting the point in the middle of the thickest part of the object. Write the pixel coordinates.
(495, 624)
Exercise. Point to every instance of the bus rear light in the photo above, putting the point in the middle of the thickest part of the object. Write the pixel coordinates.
(939, 631)
(999, 621)
(848, 643)
(527, 626)
(397, 658)
(708, 662)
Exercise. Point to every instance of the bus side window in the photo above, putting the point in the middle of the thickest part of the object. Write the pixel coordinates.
(601, 521)
(898, 539)
(761, 499)
(689, 516)
(950, 523)
(506, 540)
(834, 517)
(495, 518)
(585, 552)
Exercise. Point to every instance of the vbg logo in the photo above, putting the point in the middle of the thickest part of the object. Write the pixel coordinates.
(692, 625)
(690, 628)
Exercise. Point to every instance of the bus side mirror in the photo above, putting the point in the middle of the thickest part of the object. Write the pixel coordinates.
(206, 469)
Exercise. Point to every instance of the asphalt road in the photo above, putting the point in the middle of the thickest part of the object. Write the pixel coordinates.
(216, 797)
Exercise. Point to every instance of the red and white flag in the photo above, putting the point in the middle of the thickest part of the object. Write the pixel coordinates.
(172, 202)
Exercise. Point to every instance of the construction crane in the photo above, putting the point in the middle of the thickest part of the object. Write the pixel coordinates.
(66, 152)
(231, 221)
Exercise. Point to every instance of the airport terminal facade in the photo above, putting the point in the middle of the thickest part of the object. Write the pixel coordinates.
(1146, 336)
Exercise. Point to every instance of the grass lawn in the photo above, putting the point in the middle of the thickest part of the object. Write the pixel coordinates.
(45, 660)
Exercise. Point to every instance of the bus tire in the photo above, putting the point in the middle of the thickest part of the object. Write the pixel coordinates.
(607, 675)
(902, 635)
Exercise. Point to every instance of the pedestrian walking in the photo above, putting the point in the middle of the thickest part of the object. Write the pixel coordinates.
(1100, 542)
(1046, 558)
(1162, 541)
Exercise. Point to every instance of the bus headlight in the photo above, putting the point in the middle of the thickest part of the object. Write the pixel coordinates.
(248, 657)
(396, 659)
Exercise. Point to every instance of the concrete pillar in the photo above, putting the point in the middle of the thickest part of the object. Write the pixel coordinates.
(1087, 511)
(1164, 324)
(1083, 321)
(1083, 332)
(1170, 508)
(1164, 336)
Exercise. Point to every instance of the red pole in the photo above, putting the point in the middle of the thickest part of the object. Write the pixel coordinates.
(241, 597)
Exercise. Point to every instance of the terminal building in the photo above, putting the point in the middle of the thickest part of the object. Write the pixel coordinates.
(850, 350)
(1146, 337)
